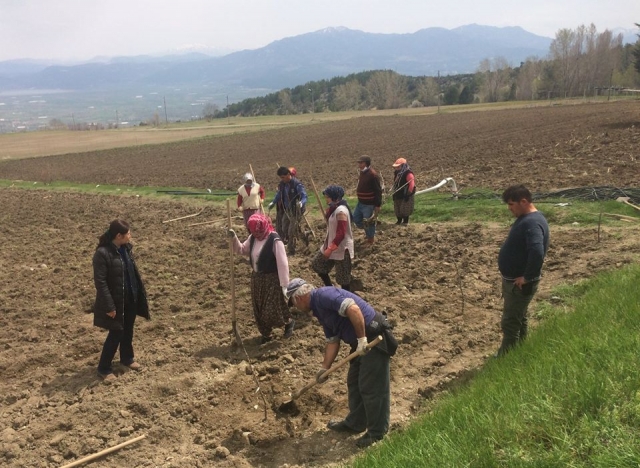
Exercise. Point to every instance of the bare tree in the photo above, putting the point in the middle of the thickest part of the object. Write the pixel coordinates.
(286, 105)
(496, 78)
(386, 90)
(428, 91)
(349, 96)
(209, 111)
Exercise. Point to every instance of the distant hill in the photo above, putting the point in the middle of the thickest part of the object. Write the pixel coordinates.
(288, 62)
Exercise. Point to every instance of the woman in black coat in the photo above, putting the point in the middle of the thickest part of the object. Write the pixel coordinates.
(120, 296)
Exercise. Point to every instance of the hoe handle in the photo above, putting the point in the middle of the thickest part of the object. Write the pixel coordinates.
(334, 368)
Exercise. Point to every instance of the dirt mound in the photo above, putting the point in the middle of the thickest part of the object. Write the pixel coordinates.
(196, 398)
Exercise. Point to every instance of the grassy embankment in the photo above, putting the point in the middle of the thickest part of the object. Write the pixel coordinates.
(569, 396)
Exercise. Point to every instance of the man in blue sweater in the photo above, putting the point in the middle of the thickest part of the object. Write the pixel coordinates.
(520, 263)
(346, 317)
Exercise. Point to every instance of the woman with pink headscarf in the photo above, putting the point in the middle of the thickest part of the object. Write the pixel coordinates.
(270, 275)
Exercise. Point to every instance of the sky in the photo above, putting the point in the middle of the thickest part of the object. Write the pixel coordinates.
(83, 29)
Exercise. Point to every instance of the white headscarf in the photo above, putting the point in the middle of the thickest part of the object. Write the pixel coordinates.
(247, 177)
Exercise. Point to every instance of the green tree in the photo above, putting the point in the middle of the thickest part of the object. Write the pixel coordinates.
(451, 95)
(466, 95)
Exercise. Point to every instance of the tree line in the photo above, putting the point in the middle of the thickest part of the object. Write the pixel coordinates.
(581, 62)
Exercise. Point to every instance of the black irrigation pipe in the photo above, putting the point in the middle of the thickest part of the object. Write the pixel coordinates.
(600, 193)
(185, 192)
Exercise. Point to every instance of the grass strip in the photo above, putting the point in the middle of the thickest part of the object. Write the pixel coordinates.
(568, 397)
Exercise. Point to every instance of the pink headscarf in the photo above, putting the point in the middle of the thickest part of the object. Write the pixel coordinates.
(260, 226)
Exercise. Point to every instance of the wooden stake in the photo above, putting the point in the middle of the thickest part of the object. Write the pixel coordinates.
(315, 191)
(103, 452)
(234, 322)
(182, 217)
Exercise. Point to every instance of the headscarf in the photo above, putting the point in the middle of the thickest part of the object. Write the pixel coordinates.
(260, 226)
(335, 192)
(248, 177)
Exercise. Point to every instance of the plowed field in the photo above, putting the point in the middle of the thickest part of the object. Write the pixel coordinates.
(196, 398)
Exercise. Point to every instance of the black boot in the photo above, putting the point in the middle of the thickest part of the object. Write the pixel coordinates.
(405, 220)
(325, 279)
(399, 220)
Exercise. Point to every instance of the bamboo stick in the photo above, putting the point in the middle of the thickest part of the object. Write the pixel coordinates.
(103, 452)
(182, 217)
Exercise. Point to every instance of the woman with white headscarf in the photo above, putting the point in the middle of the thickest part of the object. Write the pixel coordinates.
(250, 197)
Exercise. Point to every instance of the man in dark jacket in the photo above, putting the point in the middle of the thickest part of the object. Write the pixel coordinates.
(120, 296)
(290, 202)
(346, 317)
(520, 263)
(369, 193)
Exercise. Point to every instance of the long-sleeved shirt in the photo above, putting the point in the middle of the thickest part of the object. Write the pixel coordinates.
(369, 189)
(289, 193)
(329, 306)
(244, 248)
(522, 254)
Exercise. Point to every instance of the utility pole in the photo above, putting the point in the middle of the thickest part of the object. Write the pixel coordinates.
(313, 105)
(228, 121)
(117, 120)
(438, 91)
(166, 121)
(610, 84)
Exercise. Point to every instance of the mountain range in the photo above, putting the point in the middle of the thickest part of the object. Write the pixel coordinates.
(289, 62)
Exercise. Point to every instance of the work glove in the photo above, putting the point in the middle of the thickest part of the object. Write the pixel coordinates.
(239, 208)
(284, 291)
(231, 233)
(301, 206)
(270, 206)
(362, 345)
(319, 378)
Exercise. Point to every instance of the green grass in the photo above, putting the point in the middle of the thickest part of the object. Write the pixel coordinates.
(485, 206)
(568, 397)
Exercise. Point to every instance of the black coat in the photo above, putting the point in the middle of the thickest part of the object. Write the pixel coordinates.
(109, 278)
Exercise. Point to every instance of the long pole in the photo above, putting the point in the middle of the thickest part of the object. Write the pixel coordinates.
(103, 452)
(315, 191)
(166, 120)
(234, 321)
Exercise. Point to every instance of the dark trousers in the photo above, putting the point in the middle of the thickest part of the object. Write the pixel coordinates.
(515, 322)
(119, 338)
(369, 395)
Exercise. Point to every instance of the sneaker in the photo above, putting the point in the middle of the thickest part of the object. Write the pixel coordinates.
(367, 440)
(288, 328)
(134, 366)
(110, 377)
(341, 426)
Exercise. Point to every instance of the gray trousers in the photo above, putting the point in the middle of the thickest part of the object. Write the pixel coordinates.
(369, 395)
(515, 322)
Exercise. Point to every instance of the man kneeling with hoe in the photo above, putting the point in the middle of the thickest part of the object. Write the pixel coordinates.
(347, 317)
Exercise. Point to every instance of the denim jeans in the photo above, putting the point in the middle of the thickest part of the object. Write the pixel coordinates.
(361, 213)
(119, 338)
(369, 395)
(514, 321)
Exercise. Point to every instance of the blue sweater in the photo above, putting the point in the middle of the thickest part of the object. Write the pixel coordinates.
(326, 303)
(522, 254)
